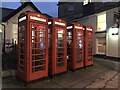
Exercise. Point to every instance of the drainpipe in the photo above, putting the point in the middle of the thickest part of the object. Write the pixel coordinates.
(4, 38)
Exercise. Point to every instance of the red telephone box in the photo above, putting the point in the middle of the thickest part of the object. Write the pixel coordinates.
(88, 45)
(58, 46)
(32, 46)
(75, 48)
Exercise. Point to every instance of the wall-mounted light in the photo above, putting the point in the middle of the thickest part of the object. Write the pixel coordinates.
(115, 31)
(0, 31)
(112, 34)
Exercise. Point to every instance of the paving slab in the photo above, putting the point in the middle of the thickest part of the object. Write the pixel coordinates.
(91, 77)
(44, 84)
(109, 75)
(113, 83)
(99, 83)
(109, 86)
(12, 82)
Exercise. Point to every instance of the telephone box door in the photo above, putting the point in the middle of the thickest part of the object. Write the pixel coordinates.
(79, 54)
(88, 46)
(21, 51)
(70, 51)
(32, 46)
(39, 51)
(61, 62)
(75, 42)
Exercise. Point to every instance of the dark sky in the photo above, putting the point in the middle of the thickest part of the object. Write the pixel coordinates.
(49, 8)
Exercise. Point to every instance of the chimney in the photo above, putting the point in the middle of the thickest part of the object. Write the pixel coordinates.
(24, 1)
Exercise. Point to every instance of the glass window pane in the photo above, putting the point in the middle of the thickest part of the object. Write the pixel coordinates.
(40, 62)
(41, 45)
(38, 57)
(60, 47)
(21, 68)
(38, 69)
(101, 26)
(15, 28)
(69, 38)
(38, 51)
(42, 34)
(41, 39)
(21, 40)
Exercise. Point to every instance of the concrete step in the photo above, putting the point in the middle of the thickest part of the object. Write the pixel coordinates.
(8, 73)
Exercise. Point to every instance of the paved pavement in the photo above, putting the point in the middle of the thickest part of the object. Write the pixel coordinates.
(104, 74)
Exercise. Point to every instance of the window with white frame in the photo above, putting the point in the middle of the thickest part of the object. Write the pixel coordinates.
(101, 45)
(15, 32)
(101, 22)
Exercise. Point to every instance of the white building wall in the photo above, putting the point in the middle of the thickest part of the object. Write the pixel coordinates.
(111, 40)
(14, 20)
(112, 43)
(112, 47)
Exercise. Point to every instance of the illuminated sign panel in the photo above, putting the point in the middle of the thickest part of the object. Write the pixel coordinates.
(22, 19)
(89, 29)
(69, 27)
(37, 18)
(59, 23)
(77, 27)
(49, 23)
